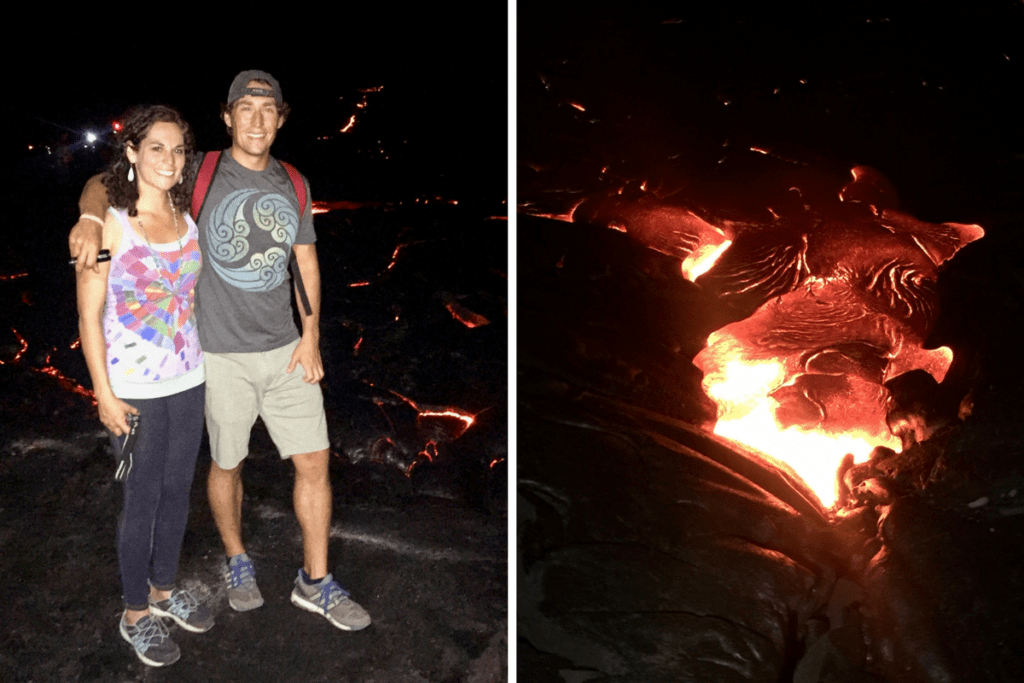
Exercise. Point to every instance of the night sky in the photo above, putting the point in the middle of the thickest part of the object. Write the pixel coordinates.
(926, 92)
(437, 126)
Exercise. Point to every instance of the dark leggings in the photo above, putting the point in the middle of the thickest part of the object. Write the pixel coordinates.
(156, 492)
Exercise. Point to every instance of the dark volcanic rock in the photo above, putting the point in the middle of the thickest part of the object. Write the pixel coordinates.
(431, 571)
(674, 563)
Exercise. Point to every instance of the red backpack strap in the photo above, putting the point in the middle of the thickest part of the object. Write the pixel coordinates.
(300, 187)
(203, 179)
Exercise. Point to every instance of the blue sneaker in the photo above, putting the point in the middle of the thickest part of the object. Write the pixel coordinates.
(330, 600)
(189, 613)
(151, 640)
(243, 594)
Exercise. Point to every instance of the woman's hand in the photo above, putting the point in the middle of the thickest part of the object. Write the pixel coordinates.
(112, 414)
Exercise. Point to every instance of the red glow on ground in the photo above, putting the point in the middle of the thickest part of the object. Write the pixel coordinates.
(21, 351)
(14, 276)
(429, 451)
(466, 418)
(452, 421)
(359, 284)
(355, 349)
(350, 125)
(394, 256)
(496, 461)
(67, 383)
(407, 400)
(77, 344)
(566, 217)
(466, 316)
(578, 106)
(324, 207)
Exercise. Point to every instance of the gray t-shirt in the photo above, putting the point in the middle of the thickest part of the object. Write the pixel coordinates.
(246, 231)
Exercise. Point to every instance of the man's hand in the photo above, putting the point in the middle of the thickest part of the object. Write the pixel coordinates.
(87, 235)
(307, 354)
(84, 243)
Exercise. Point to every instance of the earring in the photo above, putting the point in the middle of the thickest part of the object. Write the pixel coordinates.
(131, 173)
(181, 178)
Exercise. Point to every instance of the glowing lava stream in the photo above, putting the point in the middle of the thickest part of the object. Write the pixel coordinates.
(746, 415)
(814, 456)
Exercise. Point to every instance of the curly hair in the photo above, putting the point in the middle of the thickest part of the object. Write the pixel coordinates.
(138, 121)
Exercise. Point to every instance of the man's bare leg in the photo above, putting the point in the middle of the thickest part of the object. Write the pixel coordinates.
(312, 496)
(224, 488)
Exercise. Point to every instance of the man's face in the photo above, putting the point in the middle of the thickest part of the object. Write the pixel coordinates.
(254, 121)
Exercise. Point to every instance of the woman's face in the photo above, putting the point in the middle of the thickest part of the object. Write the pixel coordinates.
(160, 157)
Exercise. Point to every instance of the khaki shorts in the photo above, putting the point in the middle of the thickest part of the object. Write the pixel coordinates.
(240, 386)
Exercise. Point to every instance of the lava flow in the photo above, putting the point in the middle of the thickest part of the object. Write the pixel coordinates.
(65, 382)
(838, 296)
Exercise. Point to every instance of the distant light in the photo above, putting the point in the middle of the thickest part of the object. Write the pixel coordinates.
(31, 147)
(90, 137)
(117, 126)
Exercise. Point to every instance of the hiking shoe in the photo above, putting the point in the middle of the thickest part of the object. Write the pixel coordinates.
(243, 595)
(190, 614)
(151, 640)
(332, 601)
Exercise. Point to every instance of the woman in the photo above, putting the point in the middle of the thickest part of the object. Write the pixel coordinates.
(140, 344)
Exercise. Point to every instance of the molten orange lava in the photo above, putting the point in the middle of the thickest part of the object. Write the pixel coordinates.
(466, 316)
(21, 352)
(742, 390)
(66, 382)
(465, 418)
(702, 259)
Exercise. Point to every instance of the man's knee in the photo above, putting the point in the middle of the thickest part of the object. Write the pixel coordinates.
(311, 466)
(219, 474)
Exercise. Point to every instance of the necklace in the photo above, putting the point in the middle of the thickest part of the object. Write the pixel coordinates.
(173, 288)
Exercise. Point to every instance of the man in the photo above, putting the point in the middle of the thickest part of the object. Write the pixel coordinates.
(256, 361)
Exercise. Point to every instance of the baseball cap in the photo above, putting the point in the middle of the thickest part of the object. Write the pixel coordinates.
(240, 86)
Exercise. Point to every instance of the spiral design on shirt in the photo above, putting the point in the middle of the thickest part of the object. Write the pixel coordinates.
(240, 225)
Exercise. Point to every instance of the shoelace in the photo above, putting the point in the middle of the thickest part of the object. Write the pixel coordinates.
(235, 573)
(331, 594)
(153, 633)
(183, 603)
